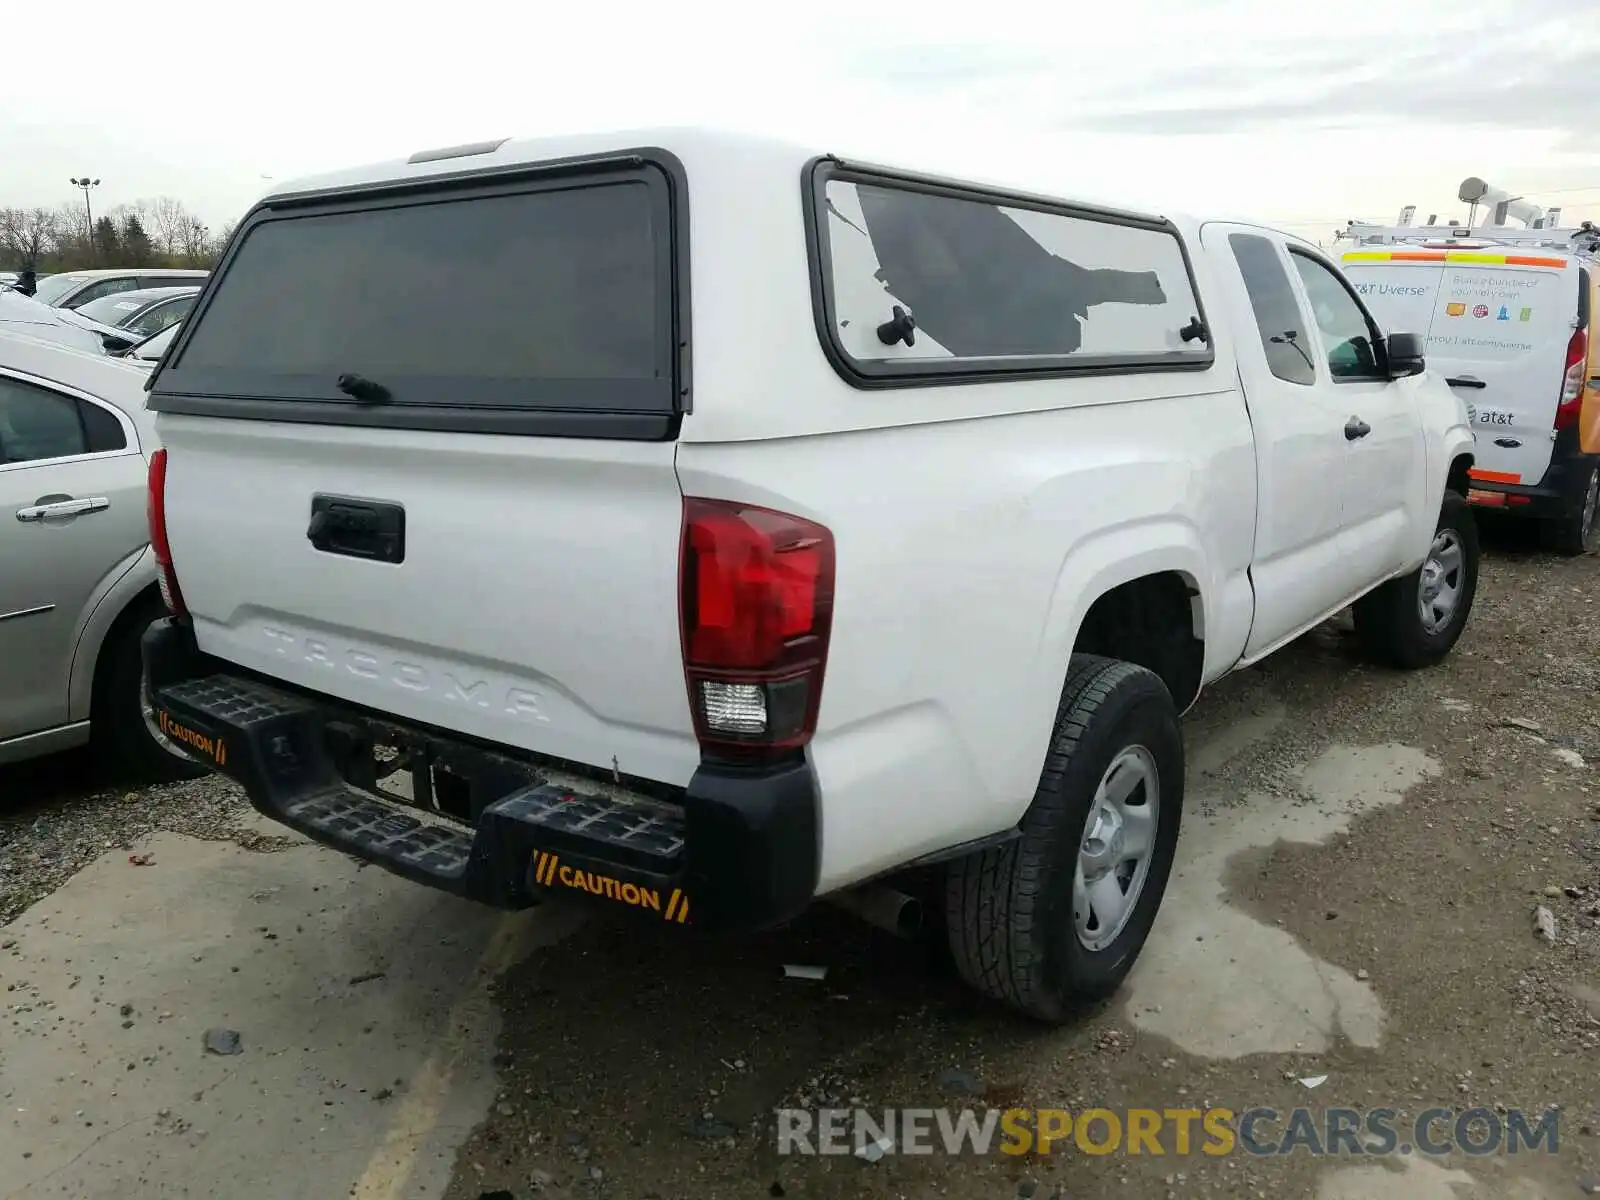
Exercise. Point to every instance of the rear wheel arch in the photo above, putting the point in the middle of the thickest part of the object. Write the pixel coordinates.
(1012, 912)
(120, 724)
(141, 608)
(1156, 621)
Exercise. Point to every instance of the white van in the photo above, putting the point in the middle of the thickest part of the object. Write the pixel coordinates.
(1511, 329)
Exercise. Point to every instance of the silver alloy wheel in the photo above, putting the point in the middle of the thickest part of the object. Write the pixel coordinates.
(1119, 841)
(1442, 581)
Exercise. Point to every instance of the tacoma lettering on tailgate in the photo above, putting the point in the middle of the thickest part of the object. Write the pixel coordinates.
(409, 676)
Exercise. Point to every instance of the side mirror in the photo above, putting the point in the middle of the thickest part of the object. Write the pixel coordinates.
(1405, 355)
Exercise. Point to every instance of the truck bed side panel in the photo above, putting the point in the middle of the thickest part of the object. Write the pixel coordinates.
(967, 555)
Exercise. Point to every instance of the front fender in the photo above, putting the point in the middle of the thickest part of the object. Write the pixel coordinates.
(130, 578)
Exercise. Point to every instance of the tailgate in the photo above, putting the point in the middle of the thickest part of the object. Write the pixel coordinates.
(420, 457)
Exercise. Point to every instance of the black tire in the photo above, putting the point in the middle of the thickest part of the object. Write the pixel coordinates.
(1009, 910)
(123, 739)
(1577, 532)
(1389, 618)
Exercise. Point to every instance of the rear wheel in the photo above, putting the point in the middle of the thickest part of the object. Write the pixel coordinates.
(123, 726)
(1053, 921)
(1576, 533)
(1416, 620)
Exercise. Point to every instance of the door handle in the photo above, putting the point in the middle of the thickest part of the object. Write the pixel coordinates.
(1466, 381)
(63, 508)
(1356, 428)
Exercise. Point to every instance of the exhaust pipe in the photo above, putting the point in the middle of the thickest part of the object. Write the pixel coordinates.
(883, 907)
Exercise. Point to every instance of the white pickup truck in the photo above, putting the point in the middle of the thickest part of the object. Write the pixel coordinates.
(708, 526)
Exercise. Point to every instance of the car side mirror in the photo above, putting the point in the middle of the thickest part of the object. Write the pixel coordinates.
(1405, 355)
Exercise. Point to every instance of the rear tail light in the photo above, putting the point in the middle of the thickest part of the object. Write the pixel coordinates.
(1572, 381)
(159, 545)
(756, 603)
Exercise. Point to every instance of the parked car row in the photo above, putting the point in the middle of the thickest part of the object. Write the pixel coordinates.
(74, 289)
(106, 311)
(124, 319)
(77, 577)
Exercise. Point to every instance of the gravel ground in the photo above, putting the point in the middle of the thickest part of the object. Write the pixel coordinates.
(59, 814)
(638, 1064)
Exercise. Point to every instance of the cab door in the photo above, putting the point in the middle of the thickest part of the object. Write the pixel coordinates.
(1299, 437)
(1385, 461)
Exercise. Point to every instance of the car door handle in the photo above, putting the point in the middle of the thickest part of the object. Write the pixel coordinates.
(58, 509)
(1356, 428)
(1466, 381)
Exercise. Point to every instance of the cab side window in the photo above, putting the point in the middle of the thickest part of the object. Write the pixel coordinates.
(1348, 334)
(1279, 320)
(37, 425)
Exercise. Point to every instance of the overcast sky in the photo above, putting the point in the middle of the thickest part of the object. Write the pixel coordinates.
(1302, 114)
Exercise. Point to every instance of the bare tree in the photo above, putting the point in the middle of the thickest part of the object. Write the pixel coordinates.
(168, 224)
(26, 233)
(69, 238)
(195, 240)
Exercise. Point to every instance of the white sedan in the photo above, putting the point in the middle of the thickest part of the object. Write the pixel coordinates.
(77, 578)
(25, 315)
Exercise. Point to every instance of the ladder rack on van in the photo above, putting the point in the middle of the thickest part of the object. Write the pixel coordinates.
(1582, 241)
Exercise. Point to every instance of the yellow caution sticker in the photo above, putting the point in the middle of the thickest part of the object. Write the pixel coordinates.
(213, 748)
(550, 871)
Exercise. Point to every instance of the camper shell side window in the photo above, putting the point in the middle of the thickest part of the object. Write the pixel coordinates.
(919, 281)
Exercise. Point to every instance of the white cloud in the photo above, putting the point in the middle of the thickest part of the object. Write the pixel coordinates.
(200, 102)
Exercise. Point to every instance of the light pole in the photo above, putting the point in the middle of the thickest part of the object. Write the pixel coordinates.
(88, 216)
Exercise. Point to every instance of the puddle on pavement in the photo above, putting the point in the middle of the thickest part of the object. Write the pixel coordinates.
(1422, 1179)
(1218, 982)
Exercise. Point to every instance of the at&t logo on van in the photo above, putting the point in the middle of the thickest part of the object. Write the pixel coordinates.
(1390, 289)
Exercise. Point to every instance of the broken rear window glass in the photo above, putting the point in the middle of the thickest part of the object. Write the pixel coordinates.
(987, 284)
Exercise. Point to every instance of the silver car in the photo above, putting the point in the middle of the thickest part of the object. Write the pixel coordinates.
(77, 578)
